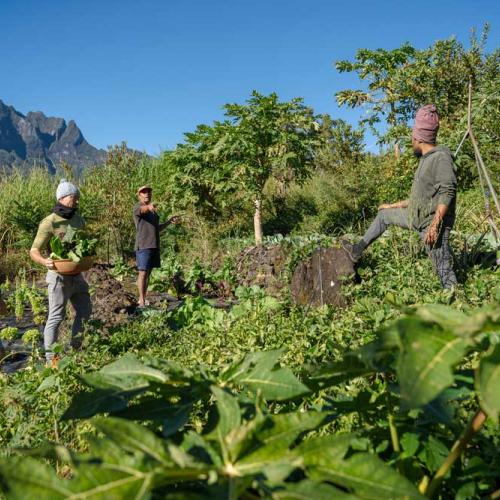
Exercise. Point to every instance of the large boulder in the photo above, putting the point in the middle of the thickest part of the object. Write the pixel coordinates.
(318, 280)
(263, 266)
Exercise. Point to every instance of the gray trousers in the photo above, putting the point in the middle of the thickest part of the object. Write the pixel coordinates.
(439, 253)
(62, 289)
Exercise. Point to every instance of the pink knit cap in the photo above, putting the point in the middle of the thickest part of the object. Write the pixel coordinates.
(426, 124)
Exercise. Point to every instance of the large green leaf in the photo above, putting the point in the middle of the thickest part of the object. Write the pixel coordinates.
(483, 320)
(263, 360)
(133, 437)
(157, 409)
(25, 478)
(88, 404)
(280, 431)
(308, 490)
(229, 411)
(426, 359)
(363, 474)
(125, 373)
(328, 374)
(279, 384)
(259, 371)
(488, 383)
(110, 482)
(275, 436)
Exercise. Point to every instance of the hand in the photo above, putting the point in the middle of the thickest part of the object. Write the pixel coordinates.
(431, 236)
(48, 263)
(174, 220)
(384, 206)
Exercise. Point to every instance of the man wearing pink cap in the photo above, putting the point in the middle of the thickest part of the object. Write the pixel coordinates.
(430, 210)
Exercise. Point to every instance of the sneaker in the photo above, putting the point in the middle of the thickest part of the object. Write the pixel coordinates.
(350, 250)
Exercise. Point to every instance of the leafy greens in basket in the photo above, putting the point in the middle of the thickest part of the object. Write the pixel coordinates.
(74, 246)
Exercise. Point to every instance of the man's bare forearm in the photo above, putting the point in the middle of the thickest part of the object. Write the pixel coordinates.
(37, 257)
(398, 204)
(401, 204)
(439, 215)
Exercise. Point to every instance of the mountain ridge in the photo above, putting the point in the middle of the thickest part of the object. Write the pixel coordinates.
(37, 139)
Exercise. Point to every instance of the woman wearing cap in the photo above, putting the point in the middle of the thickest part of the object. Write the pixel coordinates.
(147, 238)
(61, 288)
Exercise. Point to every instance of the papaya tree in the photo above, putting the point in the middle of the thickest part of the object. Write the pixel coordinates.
(269, 139)
(219, 167)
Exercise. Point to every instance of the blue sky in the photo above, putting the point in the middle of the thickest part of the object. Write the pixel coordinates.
(146, 72)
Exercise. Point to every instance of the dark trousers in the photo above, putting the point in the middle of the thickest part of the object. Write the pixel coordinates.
(439, 253)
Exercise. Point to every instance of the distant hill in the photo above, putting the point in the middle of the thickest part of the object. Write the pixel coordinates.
(38, 139)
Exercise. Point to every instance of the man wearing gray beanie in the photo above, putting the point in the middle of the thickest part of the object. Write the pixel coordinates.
(430, 209)
(61, 288)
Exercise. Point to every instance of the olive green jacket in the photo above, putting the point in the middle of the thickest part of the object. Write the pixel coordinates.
(435, 183)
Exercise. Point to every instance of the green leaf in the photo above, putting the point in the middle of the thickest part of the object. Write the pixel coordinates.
(73, 256)
(57, 247)
(334, 373)
(106, 481)
(229, 412)
(274, 437)
(481, 321)
(263, 360)
(410, 443)
(88, 404)
(281, 431)
(363, 474)
(47, 383)
(279, 384)
(257, 372)
(25, 478)
(159, 410)
(130, 366)
(433, 454)
(488, 383)
(425, 362)
(133, 437)
(308, 490)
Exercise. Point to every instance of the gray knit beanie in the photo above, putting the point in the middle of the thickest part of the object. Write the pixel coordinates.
(66, 188)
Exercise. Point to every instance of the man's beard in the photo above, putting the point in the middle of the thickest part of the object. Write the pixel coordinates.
(417, 152)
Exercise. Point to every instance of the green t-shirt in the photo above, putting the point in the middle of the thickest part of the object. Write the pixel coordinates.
(55, 225)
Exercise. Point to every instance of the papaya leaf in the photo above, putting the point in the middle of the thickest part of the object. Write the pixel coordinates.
(26, 477)
(488, 382)
(275, 437)
(229, 416)
(133, 437)
(263, 360)
(307, 489)
(363, 474)
(88, 404)
(328, 374)
(481, 321)
(130, 366)
(425, 362)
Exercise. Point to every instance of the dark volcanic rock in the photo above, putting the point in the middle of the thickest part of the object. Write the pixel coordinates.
(263, 266)
(318, 280)
(38, 139)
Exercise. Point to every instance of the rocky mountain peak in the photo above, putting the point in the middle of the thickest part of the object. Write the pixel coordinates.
(39, 139)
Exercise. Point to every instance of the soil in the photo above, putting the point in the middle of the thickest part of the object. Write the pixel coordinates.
(112, 303)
